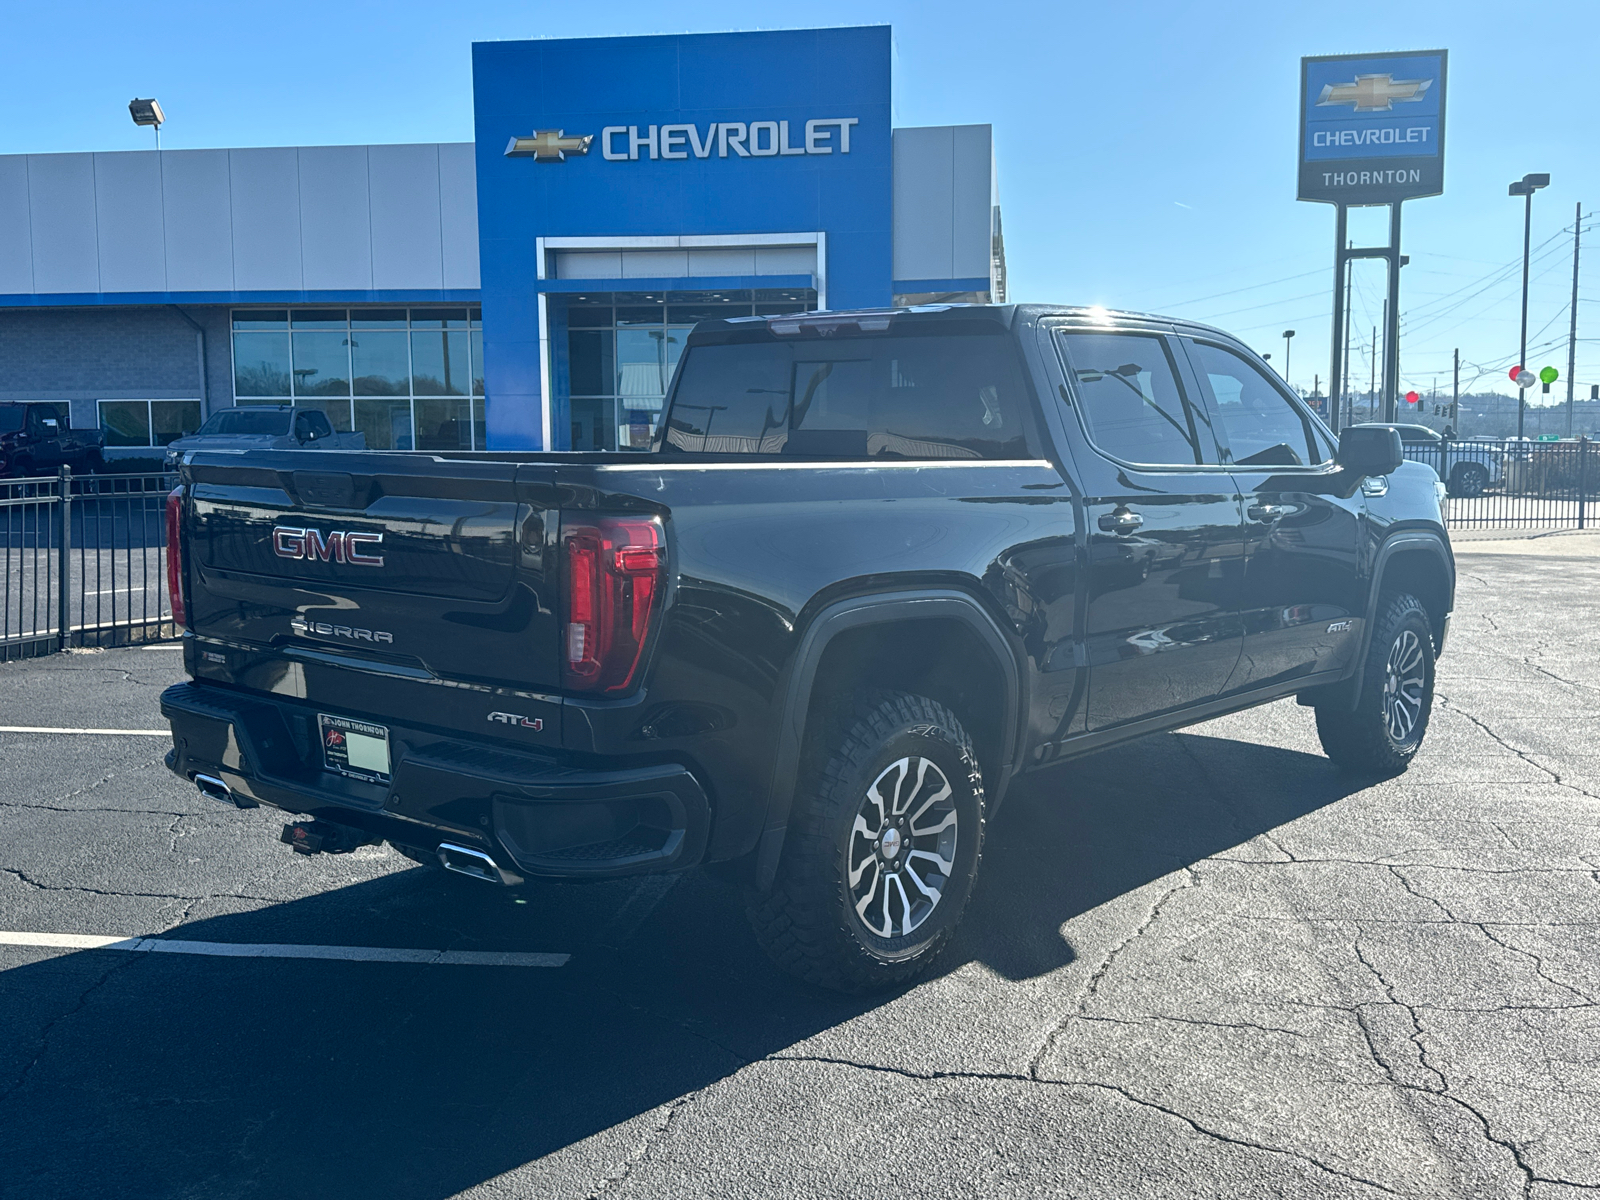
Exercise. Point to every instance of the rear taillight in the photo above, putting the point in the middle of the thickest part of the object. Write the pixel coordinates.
(175, 556)
(615, 573)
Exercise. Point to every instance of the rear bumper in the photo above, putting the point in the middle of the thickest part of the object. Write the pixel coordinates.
(532, 813)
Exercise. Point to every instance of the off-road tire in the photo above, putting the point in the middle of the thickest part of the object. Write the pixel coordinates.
(1372, 739)
(1469, 479)
(808, 922)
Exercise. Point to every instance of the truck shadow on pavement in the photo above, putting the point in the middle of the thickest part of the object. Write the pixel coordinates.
(174, 1075)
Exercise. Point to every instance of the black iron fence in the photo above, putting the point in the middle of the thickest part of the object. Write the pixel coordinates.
(1514, 483)
(84, 562)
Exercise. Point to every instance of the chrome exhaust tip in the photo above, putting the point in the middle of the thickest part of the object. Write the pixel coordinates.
(210, 785)
(464, 860)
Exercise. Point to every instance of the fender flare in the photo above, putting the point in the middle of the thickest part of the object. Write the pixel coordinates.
(875, 609)
(1343, 695)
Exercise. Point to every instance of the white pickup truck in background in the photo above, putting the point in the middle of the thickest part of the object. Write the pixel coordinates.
(1467, 467)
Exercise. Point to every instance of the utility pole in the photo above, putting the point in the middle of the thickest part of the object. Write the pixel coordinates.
(1348, 270)
(1455, 396)
(1572, 332)
(1372, 362)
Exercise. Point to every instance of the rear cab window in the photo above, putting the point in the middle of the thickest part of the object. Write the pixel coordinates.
(936, 390)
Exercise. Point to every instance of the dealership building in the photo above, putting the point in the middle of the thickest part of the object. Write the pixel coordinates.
(532, 289)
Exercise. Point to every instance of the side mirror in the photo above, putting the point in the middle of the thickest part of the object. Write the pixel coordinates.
(1370, 450)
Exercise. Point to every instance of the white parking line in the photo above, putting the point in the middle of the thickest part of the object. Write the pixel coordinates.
(141, 945)
(52, 729)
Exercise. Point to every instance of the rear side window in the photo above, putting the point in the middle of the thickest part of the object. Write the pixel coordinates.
(1262, 427)
(928, 396)
(1132, 405)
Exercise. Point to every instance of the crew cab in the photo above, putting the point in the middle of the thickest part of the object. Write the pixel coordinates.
(875, 566)
(38, 439)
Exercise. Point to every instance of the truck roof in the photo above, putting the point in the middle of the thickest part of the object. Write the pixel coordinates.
(876, 320)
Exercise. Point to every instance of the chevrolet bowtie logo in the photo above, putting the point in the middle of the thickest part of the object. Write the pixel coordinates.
(548, 145)
(1374, 93)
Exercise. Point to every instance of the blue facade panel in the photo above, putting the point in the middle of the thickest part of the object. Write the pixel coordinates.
(740, 163)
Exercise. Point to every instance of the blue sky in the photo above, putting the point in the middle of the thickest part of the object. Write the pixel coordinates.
(1146, 150)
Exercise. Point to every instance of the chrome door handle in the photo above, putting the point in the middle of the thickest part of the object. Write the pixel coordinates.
(1120, 521)
(1267, 513)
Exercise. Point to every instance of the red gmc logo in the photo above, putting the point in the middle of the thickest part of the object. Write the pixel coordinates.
(290, 541)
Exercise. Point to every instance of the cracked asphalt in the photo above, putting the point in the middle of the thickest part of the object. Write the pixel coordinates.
(1203, 964)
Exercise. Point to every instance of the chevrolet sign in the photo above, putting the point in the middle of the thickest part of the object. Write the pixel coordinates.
(725, 139)
(1372, 127)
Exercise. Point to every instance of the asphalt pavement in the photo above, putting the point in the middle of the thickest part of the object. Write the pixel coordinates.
(1202, 964)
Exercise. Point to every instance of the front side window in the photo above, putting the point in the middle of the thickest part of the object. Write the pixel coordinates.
(1262, 427)
(941, 395)
(1131, 403)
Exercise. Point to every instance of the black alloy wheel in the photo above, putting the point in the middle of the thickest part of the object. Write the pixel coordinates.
(883, 848)
(1468, 479)
(1382, 734)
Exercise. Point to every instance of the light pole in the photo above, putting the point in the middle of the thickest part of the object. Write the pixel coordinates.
(1287, 334)
(148, 112)
(1525, 187)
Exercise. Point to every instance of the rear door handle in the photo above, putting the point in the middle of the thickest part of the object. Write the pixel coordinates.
(1267, 513)
(1120, 521)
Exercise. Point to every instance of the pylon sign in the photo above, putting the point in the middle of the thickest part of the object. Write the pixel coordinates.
(1372, 127)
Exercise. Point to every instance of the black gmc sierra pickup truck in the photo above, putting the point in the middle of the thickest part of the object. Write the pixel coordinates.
(876, 565)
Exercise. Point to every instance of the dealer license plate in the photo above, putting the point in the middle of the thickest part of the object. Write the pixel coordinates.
(355, 748)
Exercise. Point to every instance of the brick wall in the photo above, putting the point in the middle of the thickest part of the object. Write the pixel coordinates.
(81, 355)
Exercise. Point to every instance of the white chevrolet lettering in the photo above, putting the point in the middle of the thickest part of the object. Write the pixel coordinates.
(677, 142)
(637, 143)
(731, 133)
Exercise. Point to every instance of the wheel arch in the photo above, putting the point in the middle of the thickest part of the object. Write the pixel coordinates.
(849, 638)
(1414, 560)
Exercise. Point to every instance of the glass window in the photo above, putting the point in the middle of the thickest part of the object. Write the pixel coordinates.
(236, 421)
(589, 364)
(1262, 427)
(593, 423)
(477, 364)
(125, 422)
(585, 317)
(479, 432)
(639, 360)
(1130, 402)
(337, 411)
(321, 345)
(310, 423)
(261, 364)
(261, 318)
(381, 362)
(945, 396)
(385, 423)
(640, 314)
(440, 362)
(12, 417)
(444, 425)
(173, 419)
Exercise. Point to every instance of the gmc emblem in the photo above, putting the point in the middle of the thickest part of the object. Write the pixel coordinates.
(290, 541)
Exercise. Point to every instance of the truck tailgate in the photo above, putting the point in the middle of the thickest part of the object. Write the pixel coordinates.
(396, 559)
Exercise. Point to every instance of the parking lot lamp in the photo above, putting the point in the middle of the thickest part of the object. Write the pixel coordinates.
(148, 112)
(1525, 187)
(1287, 334)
